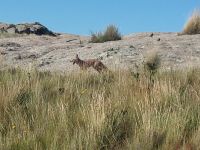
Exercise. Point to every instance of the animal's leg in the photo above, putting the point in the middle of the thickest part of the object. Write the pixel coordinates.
(97, 67)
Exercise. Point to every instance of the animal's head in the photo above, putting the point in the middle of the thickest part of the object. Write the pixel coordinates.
(76, 60)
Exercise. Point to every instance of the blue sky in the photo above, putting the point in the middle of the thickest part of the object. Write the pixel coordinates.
(84, 16)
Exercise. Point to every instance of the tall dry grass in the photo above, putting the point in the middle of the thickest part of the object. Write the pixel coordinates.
(193, 24)
(107, 111)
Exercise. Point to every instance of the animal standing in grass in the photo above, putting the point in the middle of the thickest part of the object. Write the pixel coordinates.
(85, 64)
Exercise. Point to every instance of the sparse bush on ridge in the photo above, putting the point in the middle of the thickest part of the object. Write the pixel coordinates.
(110, 34)
(107, 111)
(193, 24)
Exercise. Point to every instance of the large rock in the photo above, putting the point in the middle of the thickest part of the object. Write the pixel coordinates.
(21, 28)
(26, 28)
(7, 27)
(3, 26)
(11, 30)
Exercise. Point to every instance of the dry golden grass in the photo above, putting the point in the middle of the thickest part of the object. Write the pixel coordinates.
(193, 24)
(42, 110)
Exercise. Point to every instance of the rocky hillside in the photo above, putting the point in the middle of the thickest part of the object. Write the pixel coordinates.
(55, 52)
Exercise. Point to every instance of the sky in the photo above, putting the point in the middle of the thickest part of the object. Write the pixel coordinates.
(86, 16)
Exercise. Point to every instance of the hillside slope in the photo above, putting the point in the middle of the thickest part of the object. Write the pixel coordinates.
(54, 53)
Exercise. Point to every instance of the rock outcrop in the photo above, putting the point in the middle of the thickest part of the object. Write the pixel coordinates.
(26, 28)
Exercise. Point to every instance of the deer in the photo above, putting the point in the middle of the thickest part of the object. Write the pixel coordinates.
(85, 64)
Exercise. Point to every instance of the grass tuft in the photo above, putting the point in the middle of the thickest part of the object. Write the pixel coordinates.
(193, 24)
(110, 34)
(153, 63)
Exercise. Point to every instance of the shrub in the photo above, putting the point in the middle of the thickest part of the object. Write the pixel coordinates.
(153, 63)
(110, 34)
(97, 37)
(193, 24)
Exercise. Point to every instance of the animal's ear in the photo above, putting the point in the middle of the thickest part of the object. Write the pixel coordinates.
(77, 56)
